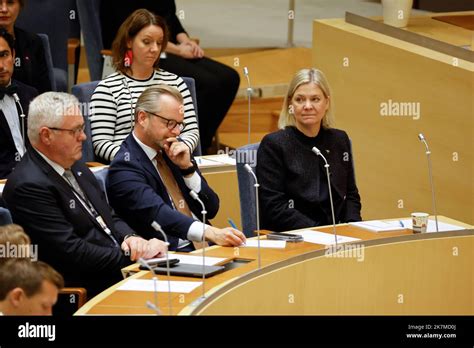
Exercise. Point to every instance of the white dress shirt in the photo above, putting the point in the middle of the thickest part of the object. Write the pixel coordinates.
(8, 106)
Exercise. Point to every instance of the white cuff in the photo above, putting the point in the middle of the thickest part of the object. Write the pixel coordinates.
(196, 230)
(193, 182)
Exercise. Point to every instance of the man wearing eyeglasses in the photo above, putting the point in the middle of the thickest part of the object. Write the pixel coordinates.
(14, 99)
(152, 175)
(59, 203)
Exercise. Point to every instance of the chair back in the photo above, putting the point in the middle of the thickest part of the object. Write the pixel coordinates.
(84, 92)
(5, 217)
(248, 206)
(190, 83)
(101, 176)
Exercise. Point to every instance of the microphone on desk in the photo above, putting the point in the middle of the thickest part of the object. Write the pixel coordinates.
(256, 185)
(249, 95)
(195, 196)
(22, 117)
(430, 172)
(157, 227)
(153, 306)
(318, 153)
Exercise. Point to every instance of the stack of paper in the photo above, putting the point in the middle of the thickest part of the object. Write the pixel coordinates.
(161, 286)
(317, 237)
(380, 226)
(264, 243)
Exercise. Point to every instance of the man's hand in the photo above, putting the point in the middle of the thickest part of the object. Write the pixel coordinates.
(137, 247)
(178, 152)
(225, 236)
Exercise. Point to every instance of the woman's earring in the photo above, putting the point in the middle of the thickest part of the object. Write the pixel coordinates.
(128, 58)
(291, 109)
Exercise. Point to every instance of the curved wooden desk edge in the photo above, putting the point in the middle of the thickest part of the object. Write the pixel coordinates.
(313, 254)
(95, 300)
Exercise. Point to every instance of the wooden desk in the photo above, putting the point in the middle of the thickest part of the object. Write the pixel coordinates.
(420, 267)
(367, 69)
(223, 180)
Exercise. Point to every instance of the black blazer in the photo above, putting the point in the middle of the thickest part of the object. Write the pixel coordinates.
(291, 176)
(30, 61)
(68, 237)
(136, 192)
(8, 152)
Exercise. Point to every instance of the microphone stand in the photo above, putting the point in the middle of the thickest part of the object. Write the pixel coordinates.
(195, 196)
(156, 226)
(249, 95)
(317, 152)
(150, 305)
(256, 185)
(430, 172)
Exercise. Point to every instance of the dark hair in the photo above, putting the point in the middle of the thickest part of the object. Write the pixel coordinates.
(138, 20)
(27, 275)
(8, 38)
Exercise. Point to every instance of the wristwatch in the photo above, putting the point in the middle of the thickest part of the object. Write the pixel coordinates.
(191, 169)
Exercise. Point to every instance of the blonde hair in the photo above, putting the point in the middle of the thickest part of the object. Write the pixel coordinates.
(149, 100)
(303, 77)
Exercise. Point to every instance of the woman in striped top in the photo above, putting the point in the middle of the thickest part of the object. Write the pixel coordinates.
(136, 53)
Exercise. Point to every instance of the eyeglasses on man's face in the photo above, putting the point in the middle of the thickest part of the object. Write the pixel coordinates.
(75, 132)
(170, 124)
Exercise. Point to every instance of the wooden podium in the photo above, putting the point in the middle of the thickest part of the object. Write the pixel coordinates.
(398, 273)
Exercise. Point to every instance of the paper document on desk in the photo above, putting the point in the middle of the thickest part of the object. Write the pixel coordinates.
(205, 163)
(442, 226)
(161, 286)
(191, 259)
(323, 238)
(380, 226)
(225, 159)
(275, 244)
(385, 226)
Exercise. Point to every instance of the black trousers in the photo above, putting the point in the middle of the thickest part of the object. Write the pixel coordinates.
(216, 87)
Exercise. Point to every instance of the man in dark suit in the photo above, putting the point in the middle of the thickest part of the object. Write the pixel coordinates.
(60, 205)
(153, 173)
(14, 100)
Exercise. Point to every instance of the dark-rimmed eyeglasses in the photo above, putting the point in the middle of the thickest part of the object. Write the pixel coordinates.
(170, 124)
(74, 132)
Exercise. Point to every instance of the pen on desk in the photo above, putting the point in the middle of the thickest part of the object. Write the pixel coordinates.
(401, 223)
(231, 222)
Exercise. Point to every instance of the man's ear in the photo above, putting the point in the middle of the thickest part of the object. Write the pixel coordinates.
(45, 136)
(15, 296)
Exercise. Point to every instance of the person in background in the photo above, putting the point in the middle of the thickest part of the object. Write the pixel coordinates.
(216, 83)
(61, 206)
(152, 175)
(28, 288)
(13, 113)
(294, 190)
(30, 60)
(136, 54)
(14, 235)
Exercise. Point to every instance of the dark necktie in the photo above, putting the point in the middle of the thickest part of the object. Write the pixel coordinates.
(10, 90)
